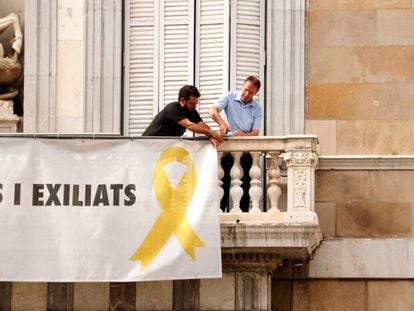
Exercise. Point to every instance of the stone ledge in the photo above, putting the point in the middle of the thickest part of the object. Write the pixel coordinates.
(368, 162)
(279, 241)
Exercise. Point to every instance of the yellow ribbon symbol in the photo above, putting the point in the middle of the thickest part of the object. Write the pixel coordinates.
(173, 203)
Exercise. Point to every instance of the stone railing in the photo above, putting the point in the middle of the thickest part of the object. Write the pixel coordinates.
(296, 154)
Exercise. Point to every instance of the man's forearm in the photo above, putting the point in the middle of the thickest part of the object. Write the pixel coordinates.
(200, 129)
(215, 115)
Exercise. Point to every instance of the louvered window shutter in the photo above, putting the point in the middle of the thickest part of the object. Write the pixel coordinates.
(212, 53)
(176, 48)
(159, 58)
(141, 87)
(247, 42)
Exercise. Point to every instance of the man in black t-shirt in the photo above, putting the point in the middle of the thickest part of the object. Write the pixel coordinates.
(176, 117)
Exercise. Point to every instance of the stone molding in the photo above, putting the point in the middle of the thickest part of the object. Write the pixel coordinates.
(368, 162)
(285, 67)
(250, 262)
(263, 247)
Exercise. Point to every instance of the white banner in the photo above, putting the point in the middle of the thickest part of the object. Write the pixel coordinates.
(108, 210)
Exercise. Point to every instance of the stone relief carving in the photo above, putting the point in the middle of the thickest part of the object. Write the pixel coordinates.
(300, 184)
(300, 158)
(10, 67)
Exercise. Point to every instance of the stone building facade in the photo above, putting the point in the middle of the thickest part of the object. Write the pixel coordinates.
(339, 69)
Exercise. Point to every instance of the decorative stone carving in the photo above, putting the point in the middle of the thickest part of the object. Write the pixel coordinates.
(300, 187)
(299, 157)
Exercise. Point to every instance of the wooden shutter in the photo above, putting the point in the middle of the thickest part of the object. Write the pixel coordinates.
(141, 63)
(176, 48)
(247, 42)
(159, 57)
(212, 61)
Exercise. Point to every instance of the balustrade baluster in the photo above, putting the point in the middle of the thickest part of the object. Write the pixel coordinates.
(273, 191)
(236, 191)
(255, 190)
(220, 189)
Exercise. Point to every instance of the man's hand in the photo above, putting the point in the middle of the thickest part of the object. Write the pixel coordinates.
(224, 128)
(214, 141)
(217, 136)
(215, 115)
(241, 133)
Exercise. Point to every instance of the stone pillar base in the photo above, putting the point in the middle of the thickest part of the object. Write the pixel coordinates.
(9, 123)
(8, 120)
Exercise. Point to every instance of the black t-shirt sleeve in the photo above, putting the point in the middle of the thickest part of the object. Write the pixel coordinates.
(195, 117)
(174, 113)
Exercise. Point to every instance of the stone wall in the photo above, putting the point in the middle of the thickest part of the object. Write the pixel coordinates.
(360, 76)
(343, 295)
(365, 204)
(359, 101)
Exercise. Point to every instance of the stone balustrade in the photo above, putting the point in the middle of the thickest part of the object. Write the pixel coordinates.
(295, 153)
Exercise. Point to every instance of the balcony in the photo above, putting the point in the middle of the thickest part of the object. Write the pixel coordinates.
(281, 223)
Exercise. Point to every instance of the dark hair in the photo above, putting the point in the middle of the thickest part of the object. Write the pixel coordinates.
(188, 90)
(253, 80)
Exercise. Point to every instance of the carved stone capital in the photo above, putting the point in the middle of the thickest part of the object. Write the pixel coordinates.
(300, 158)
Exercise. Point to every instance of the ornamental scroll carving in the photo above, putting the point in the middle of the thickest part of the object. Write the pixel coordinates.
(300, 158)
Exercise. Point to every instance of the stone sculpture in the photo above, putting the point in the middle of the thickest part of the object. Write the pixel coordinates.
(10, 67)
(10, 74)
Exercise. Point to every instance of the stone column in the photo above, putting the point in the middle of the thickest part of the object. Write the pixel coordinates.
(285, 67)
(252, 278)
(103, 66)
(40, 100)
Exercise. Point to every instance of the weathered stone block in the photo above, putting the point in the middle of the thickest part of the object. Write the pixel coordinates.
(327, 65)
(321, 4)
(326, 132)
(381, 64)
(29, 296)
(341, 28)
(395, 27)
(392, 186)
(91, 296)
(327, 218)
(218, 294)
(373, 219)
(329, 295)
(373, 137)
(373, 4)
(353, 186)
(325, 186)
(390, 295)
(360, 101)
(154, 295)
